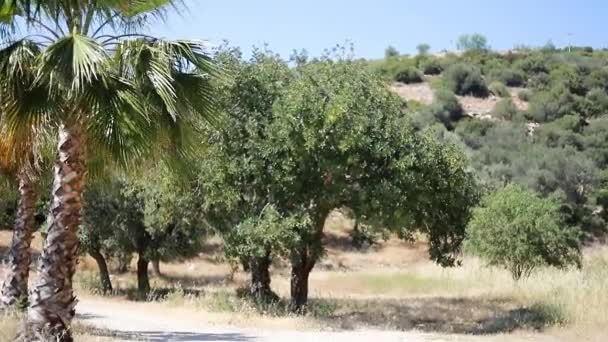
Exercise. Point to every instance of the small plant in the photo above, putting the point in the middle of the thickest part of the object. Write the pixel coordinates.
(465, 79)
(409, 75)
(519, 231)
(499, 89)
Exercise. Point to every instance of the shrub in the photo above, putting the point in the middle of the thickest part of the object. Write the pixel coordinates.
(465, 79)
(472, 131)
(571, 77)
(550, 105)
(595, 103)
(519, 231)
(431, 67)
(446, 108)
(509, 76)
(409, 75)
(525, 95)
(505, 109)
(499, 89)
(597, 79)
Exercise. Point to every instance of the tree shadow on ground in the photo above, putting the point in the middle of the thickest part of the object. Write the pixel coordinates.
(477, 316)
(162, 336)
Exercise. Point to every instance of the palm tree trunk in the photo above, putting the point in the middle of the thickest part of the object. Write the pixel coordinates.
(14, 289)
(52, 301)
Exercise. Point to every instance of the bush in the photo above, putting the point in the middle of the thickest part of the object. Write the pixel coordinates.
(525, 95)
(509, 76)
(550, 105)
(409, 75)
(472, 131)
(465, 79)
(499, 89)
(519, 231)
(431, 67)
(596, 103)
(446, 108)
(505, 109)
(597, 79)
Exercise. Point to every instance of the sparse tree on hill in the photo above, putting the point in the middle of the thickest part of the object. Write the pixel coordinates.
(423, 49)
(472, 42)
(391, 52)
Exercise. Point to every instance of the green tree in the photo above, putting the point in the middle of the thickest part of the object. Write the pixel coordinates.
(333, 136)
(235, 175)
(472, 42)
(117, 90)
(154, 215)
(519, 231)
(391, 52)
(423, 49)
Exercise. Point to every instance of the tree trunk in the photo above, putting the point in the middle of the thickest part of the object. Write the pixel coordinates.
(52, 300)
(156, 267)
(104, 274)
(123, 263)
(299, 288)
(14, 288)
(260, 279)
(143, 281)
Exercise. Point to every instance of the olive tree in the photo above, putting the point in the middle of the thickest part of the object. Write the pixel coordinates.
(153, 215)
(516, 229)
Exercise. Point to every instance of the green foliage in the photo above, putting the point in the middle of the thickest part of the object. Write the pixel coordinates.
(431, 66)
(473, 131)
(333, 134)
(446, 108)
(472, 42)
(423, 49)
(595, 103)
(391, 52)
(156, 215)
(525, 95)
(499, 89)
(519, 231)
(508, 76)
(550, 105)
(465, 79)
(409, 75)
(505, 109)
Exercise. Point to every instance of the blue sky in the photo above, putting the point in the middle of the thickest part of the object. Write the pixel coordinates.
(372, 25)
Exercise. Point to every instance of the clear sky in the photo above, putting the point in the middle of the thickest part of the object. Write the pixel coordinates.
(372, 25)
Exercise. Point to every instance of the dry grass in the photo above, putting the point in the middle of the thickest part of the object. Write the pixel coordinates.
(9, 325)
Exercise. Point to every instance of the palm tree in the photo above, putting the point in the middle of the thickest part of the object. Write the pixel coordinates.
(112, 93)
(17, 156)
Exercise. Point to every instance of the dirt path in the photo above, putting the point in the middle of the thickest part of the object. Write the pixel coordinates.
(132, 322)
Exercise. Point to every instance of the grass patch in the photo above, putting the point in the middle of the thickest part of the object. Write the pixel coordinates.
(382, 283)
